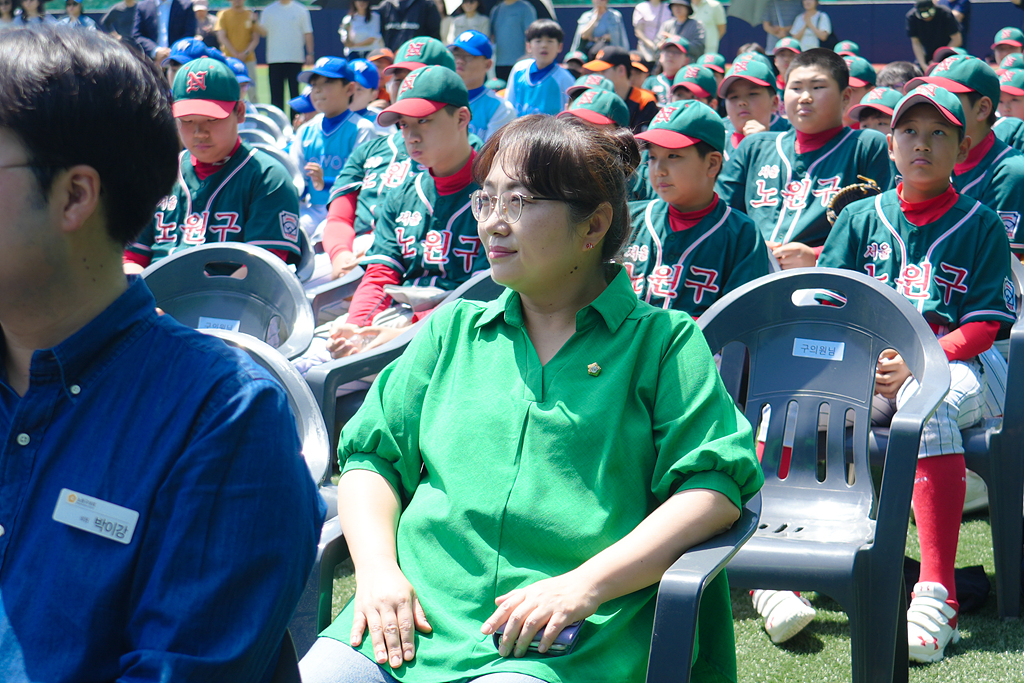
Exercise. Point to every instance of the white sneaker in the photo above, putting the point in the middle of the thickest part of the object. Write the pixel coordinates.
(785, 613)
(928, 629)
(976, 495)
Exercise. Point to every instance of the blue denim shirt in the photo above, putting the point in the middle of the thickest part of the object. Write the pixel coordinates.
(139, 411)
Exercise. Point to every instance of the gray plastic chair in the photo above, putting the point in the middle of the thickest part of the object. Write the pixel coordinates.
(325, 379)
(268, 126)
(995, 450)
(256, 136)
(279, 155)
(267, 303)
(822, 527)
(679, 594)
(275, 115)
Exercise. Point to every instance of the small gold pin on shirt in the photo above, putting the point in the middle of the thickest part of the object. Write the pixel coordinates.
(593, 369)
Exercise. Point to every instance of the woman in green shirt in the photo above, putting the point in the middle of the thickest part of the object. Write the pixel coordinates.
(539, 459)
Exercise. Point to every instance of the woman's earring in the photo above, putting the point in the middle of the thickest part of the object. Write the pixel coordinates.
(588, 246)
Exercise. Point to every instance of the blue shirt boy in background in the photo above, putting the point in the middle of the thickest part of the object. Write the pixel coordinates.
(538, 85)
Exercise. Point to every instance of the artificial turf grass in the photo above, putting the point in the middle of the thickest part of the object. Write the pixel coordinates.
(990, 650)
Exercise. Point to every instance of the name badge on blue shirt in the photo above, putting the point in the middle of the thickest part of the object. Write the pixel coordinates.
(95, 516)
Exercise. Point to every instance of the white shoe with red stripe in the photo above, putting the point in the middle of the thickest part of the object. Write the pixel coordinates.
(785, 613)
(928, 629)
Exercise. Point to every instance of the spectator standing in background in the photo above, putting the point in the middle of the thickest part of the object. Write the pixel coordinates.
(509, 21)
(160, 24)
(929, 28)
(73, 16)
(7, 15)
(289, 34)
(119, 21)
(33, 12)
(683, 25)
(360, 30)
(206, 23)
(239, 32)
(961, 10)
(648, 18)
(600, 27)
(402, 20)
(811, 27)
(469, 19)
(778, 19)
(711, 15)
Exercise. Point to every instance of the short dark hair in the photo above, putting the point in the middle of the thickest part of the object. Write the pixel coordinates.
(898, 74)
(80, 97)
(750, 47)
(567, 158)
(973, 96)
(545, 28)
(826, 60)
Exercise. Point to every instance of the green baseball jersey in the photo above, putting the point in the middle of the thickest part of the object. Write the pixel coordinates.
(955, 270)
(1011, 131)
(251, 199)
(640, 182)
(661, 86)
(429, 238)
(689, 270)
(998, 181)
(373, 169)
(787, 193)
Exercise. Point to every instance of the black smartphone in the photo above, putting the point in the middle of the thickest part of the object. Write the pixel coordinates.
(563, 644)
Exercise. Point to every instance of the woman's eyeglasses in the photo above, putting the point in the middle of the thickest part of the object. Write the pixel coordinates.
(509, 204)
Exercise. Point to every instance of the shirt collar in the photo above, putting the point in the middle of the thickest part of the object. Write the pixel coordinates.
(613, 305)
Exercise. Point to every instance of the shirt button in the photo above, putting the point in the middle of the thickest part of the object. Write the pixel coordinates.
(2, 530)
(75, 389)
(23, 439)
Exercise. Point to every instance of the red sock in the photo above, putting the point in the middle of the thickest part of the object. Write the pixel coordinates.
(939, 489)
(784, 461)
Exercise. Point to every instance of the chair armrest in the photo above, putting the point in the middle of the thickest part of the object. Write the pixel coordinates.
(313, 613)
(333, 291)
(679, 594)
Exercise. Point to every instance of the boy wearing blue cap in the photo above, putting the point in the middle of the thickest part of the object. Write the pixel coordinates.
(689, 248)
(472, 52)
(324, 143)
(948, 254)
(365, 84)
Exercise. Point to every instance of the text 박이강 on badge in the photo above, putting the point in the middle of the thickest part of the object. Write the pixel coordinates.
(95, 516)
(815, 348)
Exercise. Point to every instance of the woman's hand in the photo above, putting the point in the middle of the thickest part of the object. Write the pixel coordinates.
(549, 605)
(347, 339)
(386, 605)
(890, 374)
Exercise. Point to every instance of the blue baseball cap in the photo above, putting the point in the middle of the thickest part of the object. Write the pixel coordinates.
(475, 43)
(302, 104)
(185, 50)
(241, 72)
(216, 54)
(329, 67)
(364, 73)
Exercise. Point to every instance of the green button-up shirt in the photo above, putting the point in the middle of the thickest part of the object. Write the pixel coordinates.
(511, 471)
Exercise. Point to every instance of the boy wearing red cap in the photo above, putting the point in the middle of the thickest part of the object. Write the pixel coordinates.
(751, 101)
(993, 172)
(689, 248)
(695, 83)
(425, 234)
(862, 81)
(947, 253)
(673, 56)
(1008, 41)
(226, 190)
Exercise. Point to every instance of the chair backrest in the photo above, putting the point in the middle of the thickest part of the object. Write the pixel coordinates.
(204, 287)
(812, 366)
(275, 115)
(267, 125)
(308, 420)
(279, 155)
(255, 135)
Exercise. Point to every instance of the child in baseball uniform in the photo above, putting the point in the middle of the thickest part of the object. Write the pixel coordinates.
(538, 85)
(324, 143)
(1010, 126)
(750, 101)
(673, 55)
(226, 190)
(993, 172)
(425, 238)
(862, 80)
(785, 181)
(874, 112)
(948, 254)
(689, 248)
(472, 51)
(696, 83)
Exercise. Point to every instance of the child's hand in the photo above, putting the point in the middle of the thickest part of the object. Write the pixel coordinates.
(753, 126)
(890, 374)
(316, 175)
(793, 255)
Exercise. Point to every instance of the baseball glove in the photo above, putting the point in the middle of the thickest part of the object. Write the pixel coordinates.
(849, 194)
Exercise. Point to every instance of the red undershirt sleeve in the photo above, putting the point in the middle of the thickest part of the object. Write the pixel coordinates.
(968, 340)
(281, 254)
(137, 259)
(340, 232)
(369, 298)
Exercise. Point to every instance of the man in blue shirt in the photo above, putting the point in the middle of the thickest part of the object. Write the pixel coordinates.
(157, 522)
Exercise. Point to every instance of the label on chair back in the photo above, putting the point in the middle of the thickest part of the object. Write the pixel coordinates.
(815, 348)
(206, 323)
